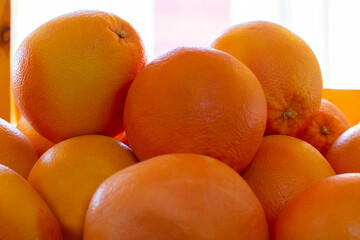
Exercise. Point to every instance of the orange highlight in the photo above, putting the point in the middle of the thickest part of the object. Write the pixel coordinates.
(347, 101)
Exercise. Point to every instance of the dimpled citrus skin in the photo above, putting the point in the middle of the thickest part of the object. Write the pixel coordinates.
(175, 196)
(286, 68)
(16, 151)
(344, 154)
(196, 100)
(326, 126)
(67, 175)
(283, 167)
(23, 213)
(70, 76)
(327, 210)
(40, 143)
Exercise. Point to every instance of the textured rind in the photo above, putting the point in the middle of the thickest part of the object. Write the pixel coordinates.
(40, 143)
(283, 167)
(328, 117)
(68, 174)
(16, 151)
(23, 213)
(286, 68)
(175, 197)
(344, 154)
(71, 75)
(328, 209)
(199, 101)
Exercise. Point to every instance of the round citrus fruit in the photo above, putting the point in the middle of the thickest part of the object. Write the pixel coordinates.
(196, 100)
(327, 125)
(328, 209)
(23, 213)
(283, 167)
(16, 151)
(286, 68)
(40, 143)
(344, 154)
(175, 196)
(68, 174)
(70, 76)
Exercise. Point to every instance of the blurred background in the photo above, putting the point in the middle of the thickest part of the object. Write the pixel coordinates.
(328, 26)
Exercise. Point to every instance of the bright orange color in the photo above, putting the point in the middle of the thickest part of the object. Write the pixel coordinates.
(68, 174)
(283, 167)
(196, 100)
(328, 209)
(118, 137)
(344, 99)
(175, 197)
(122, 138)
(344, 154)
(5, 12)
(327, 125)
(15, 114)
(70, 76)
(23, 213)
(16, 151)
(286, 68)
(40, 143)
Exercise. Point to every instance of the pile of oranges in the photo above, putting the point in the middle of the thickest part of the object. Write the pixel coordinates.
(233, 141)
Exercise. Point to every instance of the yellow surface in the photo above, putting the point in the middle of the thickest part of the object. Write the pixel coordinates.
(14, 110)
(347, 101)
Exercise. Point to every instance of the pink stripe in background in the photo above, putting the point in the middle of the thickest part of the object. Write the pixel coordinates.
(189, 23)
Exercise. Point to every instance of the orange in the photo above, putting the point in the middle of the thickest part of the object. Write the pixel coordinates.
(67, 175)
(175, 196)
(344, 154)
(196, 100)
(328, 209)
(40, 143)
(70, 76)
(327, 125)
(23, 213)
(16, 151)
(286, 68)
(283, 167)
